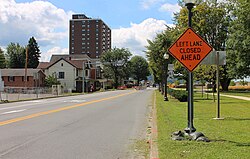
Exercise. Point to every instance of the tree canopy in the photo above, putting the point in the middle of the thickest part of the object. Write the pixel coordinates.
(2, 59)
(51, 80)
(225, 26)
(33, 53)
(15, 56)
(238, 44)
(155, 54)
(139, 68)
(115, 61)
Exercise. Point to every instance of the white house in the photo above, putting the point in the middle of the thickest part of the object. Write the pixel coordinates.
(70, 73)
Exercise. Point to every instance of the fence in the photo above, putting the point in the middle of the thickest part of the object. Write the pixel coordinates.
(21, 93)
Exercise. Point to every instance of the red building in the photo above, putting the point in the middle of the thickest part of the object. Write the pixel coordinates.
(16, 77)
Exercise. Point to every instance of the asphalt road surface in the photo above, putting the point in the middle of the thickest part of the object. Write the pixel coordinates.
(93, 126)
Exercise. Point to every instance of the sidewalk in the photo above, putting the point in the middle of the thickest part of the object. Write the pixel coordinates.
(237, 97)
(232, 96)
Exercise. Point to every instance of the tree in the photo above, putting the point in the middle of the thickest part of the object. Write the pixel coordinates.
(238, 44)
(139, 68)
(33, 53)
(15, 56)
(155, 54)
(116, 61)
(2, 59)
(51, 80)
(211, 21)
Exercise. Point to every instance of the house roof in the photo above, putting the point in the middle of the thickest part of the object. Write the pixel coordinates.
(72, 57)
(43, 65)
(75, 63)
(19, 72)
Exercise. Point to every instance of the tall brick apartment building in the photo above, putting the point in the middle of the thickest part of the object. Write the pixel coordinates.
(88, 36)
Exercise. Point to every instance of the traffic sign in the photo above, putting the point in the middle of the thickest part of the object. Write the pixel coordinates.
(190, 49)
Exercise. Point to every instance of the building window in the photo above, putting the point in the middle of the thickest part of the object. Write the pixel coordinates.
(98, 71)
(77, 73)
(62, 64)
(86, 73)
(11, 78)
(61, 75)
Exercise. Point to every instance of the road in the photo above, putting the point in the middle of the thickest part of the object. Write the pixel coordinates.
(93, 126)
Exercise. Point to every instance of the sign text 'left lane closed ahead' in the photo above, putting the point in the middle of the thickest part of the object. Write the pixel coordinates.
(190, 49)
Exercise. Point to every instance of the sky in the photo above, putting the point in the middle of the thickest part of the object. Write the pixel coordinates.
(132, 22)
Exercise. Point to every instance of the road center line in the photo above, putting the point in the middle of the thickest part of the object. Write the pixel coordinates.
(60, 109)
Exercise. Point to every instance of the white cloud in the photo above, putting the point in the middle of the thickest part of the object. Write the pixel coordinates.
(49, 25)
(172, 8)
(41, 19)
(45, 56)
(146, 4)
(135, 37)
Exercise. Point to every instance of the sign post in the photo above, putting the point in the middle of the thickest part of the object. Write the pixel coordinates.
(190, 49)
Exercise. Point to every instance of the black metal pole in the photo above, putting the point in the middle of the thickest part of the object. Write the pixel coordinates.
(166, 85)
(218, 84)
(190, 127)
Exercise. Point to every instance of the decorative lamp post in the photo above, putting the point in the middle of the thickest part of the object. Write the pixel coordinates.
(190, 4)
(166, 57)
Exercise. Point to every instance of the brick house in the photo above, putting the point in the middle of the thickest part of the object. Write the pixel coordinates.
(16, 77)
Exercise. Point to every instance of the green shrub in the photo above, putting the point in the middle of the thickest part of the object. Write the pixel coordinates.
(181, 95)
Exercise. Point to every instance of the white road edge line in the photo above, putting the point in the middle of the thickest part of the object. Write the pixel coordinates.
(14, 111)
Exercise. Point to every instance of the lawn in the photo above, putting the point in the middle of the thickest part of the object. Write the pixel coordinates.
(230, 138)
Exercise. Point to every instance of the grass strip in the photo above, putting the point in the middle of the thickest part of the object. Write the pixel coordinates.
(230, 138)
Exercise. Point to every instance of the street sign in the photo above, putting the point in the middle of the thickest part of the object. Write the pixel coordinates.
(190, 49)
(170, 67)
(211, 58)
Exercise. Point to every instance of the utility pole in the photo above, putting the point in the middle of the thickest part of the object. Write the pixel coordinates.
(26, 66)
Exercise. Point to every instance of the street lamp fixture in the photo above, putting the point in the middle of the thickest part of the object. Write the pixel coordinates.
(189, 1)
(166, 57)
(190, 4)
